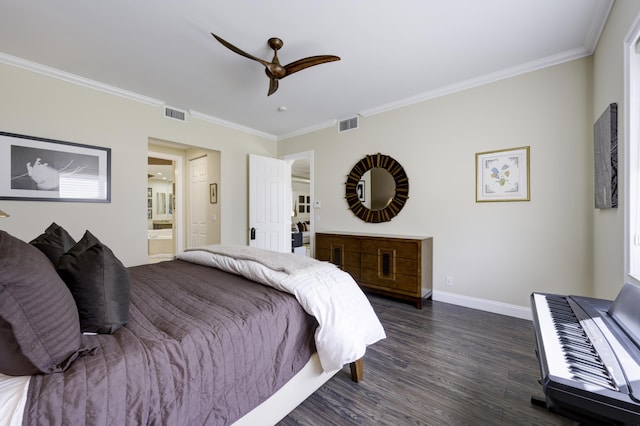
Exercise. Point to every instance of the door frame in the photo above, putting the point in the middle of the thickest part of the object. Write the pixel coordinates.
(290, 158)
(178, 212)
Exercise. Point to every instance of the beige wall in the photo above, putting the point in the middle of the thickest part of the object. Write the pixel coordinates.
(33, 104)
(496, 251)
(608, 76)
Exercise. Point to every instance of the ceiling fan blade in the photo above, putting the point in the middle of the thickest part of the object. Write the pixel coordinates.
(273, 86)
(238, 51)
(309, 62)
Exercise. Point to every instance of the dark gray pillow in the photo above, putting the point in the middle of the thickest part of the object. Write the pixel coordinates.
(53, 242)
(37, 310)
(99, 283)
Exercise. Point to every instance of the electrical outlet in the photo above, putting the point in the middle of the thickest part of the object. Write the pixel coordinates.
(449, 280)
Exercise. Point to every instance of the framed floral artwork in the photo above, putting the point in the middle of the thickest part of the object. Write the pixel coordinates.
(503, 175)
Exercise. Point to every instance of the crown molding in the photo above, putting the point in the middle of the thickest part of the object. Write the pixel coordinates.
(92, 84)
(590, 44)
(81, 81)
(480, 81)
(597, 25)
(306, 130)
(230, 125)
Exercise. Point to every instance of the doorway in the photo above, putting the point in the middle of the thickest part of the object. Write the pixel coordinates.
(163, 201)
(302, 192)
(180, 155)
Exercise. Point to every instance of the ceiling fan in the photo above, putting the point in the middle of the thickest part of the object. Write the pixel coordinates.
(274, 70)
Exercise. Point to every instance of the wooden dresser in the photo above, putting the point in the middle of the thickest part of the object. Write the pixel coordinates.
(398, 266)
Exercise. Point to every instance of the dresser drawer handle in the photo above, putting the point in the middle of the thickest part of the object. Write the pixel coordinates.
(337, 257)
(386, 263)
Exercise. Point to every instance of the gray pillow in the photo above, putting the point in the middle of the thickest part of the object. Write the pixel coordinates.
(99, 283)
(40, 312)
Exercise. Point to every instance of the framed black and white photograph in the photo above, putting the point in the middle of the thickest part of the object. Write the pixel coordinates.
(40, 169)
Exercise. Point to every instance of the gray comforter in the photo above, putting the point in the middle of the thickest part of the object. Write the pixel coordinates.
(202, 347)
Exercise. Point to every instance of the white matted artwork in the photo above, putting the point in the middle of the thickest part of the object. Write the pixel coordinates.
(503, 175)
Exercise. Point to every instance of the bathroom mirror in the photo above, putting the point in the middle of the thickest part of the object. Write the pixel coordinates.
(377, 188)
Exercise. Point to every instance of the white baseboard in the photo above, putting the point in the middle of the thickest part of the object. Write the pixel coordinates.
(483, 304)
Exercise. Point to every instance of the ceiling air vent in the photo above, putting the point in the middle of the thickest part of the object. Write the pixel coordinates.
(348, 124)
(175, 114)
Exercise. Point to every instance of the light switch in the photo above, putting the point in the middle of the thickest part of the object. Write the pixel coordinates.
(316, 204)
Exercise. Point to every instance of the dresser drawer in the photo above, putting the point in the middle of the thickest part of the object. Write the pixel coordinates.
(342, 252)
(407, 284)
(402, 249)
(392, 265)
(324, 241)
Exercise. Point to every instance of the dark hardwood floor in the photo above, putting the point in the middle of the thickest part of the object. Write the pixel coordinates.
(442, 365)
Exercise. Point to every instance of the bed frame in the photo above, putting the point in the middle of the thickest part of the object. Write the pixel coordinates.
(294, 392)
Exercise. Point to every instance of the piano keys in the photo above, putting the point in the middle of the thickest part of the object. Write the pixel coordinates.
(589, 355)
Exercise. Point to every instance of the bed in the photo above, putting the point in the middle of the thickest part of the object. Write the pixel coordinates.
(220, 335)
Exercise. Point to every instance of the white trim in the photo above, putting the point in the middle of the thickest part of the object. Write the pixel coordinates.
(289, 396)
(567, 56)
(230, 125)
(597, 26)
(483, 304)
(309, 129)
(81, 81)
(631, 152)
(590, 41)
(106, 88)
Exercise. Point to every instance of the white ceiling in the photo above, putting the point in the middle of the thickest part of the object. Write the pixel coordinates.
(393, 52)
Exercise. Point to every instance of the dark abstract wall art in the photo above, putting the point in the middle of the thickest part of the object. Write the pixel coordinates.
(605, 156)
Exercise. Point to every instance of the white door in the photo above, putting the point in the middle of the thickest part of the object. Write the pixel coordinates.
(269, 204)
(198, 199)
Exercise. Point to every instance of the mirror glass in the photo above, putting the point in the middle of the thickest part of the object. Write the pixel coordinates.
(160, 190)
(379, 188)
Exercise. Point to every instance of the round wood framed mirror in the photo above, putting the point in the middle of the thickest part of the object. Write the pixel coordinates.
(370, 190)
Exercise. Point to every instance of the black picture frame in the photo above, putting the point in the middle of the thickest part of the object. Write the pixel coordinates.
(41, 169)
